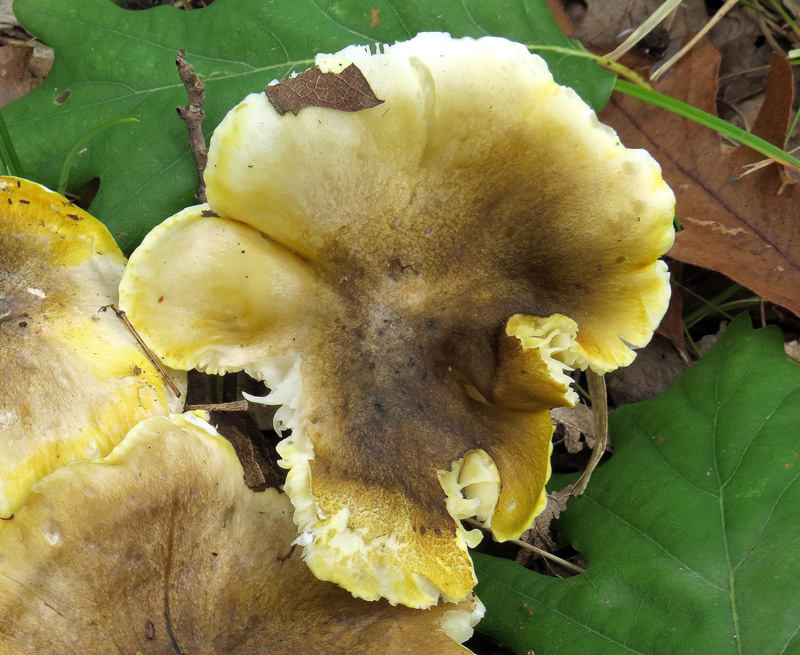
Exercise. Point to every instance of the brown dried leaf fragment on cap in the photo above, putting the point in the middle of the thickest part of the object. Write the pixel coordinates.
(160, 548)
(413, 282)
(345, 91)
(739, 223)
(73, 380)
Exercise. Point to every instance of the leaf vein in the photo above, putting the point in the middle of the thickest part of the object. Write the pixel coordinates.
(653, 541)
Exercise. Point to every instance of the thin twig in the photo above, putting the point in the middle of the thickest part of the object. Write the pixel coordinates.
(724, 9)
(531, 547)
(193, 115)
(597, 389)
(746, 71)
(235, 406)
(604, 62)
(153, 360)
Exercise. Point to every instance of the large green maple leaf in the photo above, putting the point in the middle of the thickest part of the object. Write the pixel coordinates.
(692, 529)
(118, 63)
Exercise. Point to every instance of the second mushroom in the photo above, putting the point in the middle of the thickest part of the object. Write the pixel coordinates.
(413, 281)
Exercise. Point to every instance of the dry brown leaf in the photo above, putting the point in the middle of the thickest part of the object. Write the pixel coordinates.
(737, 226)
(575, 421)
(345, 91)
(15, 77)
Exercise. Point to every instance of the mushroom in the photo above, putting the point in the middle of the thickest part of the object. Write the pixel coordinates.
(413, 282)
(160, 548)
(73, 379)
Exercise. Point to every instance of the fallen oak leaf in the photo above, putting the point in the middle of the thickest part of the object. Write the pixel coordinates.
(345, 91)
(575, 421)
(739, 227)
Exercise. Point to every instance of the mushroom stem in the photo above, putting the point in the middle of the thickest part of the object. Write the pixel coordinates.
(597, 390)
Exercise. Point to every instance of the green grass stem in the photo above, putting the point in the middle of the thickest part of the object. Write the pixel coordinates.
(791, 127)
(691, 341)
(713, 306)
(582, 391)
(708, 120)
(9, 161)
(604, 62)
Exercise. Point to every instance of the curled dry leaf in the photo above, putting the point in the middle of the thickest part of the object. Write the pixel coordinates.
(738, 226)
(16, 75)
(345, 91)
(575, 421)
(792, 349)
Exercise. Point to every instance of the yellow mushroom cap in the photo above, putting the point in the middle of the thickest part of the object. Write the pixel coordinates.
(160, 548)
(73, 379)
(412, 281)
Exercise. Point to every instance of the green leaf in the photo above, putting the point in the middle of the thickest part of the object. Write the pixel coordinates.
(691, 530)
(118, 63)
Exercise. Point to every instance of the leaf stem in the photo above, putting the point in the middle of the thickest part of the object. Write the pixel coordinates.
(709, 120)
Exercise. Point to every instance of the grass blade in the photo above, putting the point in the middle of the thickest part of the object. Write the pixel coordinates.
(9, 162)
(709, 120)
